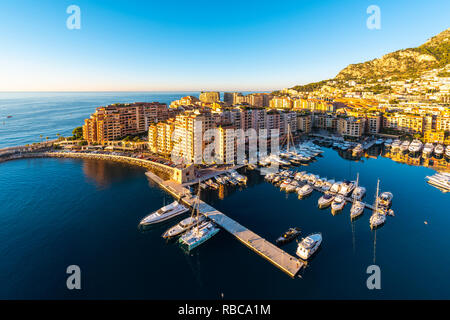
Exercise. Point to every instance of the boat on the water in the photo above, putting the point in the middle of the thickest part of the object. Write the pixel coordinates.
(346, 188)
(309, 245)
(359, 192)
(305, 191)
(357, 209)
(181, 227)
(200, 232)
(378, 217)
(338, 203)
(165, 213)
(327, 185)
(198, 235)
(325, 200)
(385, 199)
(288, 236)
(336, 187)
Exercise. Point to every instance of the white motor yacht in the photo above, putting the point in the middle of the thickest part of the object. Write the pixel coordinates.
(309, 245)
(318, 183)
(346, 188)
(165, 213)
(285, 184)
(305, 191)
(359, 192)
(325, 200)
(338, 203)
(292, 186)
(327, 185)
(336, 187)
(182, 227)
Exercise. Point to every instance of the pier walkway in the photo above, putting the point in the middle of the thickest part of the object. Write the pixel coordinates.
(264, 248)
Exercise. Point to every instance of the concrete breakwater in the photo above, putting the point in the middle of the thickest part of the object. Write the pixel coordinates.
(165, 172)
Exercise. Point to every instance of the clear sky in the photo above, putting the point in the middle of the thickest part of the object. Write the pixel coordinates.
(200, 45)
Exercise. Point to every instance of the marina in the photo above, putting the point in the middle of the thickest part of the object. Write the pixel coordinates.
(264, 248)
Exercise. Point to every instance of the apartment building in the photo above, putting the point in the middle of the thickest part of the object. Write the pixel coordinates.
(119, 120)
(351, 127)
(281, 103)
(190, 127)
(304, 122)
(373, 123)
(209, 96)
(160, 137)
(226, 148)
(409, 123)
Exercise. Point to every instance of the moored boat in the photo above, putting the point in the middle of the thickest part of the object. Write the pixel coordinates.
(305, 191)
(182, 227)
(288, 236)
(309, 245)
(325, 200)
(165, 213)
(338, 203)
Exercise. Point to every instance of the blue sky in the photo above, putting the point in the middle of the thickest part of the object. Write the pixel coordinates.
(196, 45)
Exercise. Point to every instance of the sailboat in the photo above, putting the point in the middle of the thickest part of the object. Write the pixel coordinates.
(358, 206)
(201, 232)
(378, 217)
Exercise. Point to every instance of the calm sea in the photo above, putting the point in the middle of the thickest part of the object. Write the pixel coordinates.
(60, 212)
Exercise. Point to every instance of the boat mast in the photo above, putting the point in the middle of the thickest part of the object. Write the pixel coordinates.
(357, 181)
(376, 197)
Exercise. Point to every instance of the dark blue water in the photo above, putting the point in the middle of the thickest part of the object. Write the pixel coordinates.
(59, 212)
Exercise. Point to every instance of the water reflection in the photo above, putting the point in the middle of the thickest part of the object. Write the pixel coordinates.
(413, 159)
(104, 173)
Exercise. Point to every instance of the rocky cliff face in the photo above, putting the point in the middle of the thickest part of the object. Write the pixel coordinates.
(403, 63)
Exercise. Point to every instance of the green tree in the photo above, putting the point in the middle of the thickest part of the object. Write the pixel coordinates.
(77, 133)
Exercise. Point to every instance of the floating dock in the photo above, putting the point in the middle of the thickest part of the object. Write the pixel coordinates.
(278, 257)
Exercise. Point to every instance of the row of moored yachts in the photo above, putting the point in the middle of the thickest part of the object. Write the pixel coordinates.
(417, 146)
(303, 153)
(335, 193)
(229, 178)
(192, 231)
